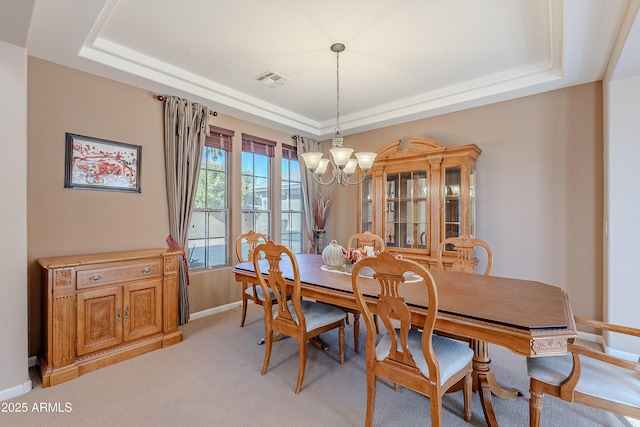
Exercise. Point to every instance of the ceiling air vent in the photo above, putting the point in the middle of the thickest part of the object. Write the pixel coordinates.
(272, 79)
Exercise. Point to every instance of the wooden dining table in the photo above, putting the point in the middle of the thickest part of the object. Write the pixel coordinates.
(529, 318)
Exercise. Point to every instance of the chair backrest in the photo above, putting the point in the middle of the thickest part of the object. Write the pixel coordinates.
(248, 242)
(464, 247)
(360, 240)
(280, 259)
(389, 294)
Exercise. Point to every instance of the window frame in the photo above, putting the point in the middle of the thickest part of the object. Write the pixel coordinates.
(289, 155)
(221, 139)
(257, 146)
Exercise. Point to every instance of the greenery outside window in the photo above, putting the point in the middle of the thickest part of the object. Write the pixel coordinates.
(209, 229)
(292, 207)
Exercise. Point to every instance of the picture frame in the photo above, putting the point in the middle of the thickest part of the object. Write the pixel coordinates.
(100, 164)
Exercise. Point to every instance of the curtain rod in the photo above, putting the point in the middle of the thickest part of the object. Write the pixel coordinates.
(164, 98)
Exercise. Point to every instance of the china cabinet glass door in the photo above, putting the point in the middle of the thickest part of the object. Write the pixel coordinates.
(472, 202)
(366, 207)
(452, 202)
(406, 210)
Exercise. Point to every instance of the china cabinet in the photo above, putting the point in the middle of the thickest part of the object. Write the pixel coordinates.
(100, 309)
(418, 193)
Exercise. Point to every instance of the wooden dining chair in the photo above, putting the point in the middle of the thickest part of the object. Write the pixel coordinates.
(245, 247)
(464, 247)
(294, 317)
(466, 262)
(416, 359)
(360, 240)
(588, 376)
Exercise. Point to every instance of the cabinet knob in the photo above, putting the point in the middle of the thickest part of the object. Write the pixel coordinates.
(146, 270)
(95, 277)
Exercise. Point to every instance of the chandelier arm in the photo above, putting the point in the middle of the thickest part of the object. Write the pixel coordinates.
(354, 183)
(319, 181)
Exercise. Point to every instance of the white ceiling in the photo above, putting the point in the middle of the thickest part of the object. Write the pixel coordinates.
(404, 60)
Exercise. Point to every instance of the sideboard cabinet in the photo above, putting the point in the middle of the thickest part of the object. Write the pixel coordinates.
(418, 193)
(100, 309)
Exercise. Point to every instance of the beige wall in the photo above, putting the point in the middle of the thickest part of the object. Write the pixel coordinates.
(14, 372)
(68, 221)
(540, 185)
(539, 182)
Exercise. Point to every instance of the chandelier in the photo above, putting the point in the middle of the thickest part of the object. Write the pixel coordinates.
(342, 164)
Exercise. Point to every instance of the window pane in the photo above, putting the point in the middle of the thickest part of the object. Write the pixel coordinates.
(256, 193)
(261, 165)
(208, 231)
(199, 203)
(295, 197)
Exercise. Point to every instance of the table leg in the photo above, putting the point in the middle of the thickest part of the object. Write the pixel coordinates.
(485, 383)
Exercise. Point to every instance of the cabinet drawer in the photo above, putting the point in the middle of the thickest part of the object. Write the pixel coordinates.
(129, 271)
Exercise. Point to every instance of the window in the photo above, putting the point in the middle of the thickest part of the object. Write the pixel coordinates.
(256, 184)
(209, 229)
(292, 213)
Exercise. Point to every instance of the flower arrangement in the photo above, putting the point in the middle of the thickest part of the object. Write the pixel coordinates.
(353, 255)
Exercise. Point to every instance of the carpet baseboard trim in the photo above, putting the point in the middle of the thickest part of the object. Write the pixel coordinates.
(214, 310)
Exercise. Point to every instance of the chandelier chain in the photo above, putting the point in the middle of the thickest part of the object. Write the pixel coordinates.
(338, 92)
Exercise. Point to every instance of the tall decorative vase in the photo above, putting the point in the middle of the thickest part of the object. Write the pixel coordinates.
(319, 239)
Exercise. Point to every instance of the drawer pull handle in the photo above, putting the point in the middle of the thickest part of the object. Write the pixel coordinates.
(146, 270)
(119, 315)
(95, 277)
(126, 314)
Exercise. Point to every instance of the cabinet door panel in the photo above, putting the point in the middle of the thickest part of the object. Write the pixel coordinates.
(99, 319)
(142, 309)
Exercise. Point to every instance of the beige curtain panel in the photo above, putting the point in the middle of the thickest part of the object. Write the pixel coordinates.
(186, 127)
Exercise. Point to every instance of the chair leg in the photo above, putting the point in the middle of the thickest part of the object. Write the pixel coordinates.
(467, 390)
(371, 396)
(435, 401)
(267, 350)
(244, 309)
(302, 351)
(341, 342)
(535, 404)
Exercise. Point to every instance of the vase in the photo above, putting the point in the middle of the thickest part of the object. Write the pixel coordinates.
(333, 255)
(319, 240)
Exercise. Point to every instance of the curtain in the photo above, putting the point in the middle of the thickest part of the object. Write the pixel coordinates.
(186, 127)
(309, 186)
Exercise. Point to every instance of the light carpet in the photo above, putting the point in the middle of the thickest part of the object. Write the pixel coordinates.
(213, 378)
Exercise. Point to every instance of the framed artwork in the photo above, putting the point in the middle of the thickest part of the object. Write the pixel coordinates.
(98, 164)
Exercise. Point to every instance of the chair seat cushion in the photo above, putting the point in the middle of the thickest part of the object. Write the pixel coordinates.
(316, 314)
(597, 378)
(259, 292)
(452, 355)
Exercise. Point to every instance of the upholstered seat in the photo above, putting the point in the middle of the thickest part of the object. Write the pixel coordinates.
(598, 379)
(452, 357)
(587, 376)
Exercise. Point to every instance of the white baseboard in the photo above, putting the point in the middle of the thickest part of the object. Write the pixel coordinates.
(16, 391)
(33, 361)
(214, 310)
(608, 350)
